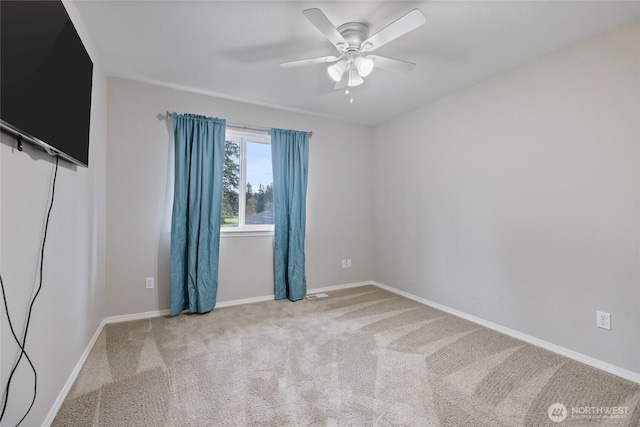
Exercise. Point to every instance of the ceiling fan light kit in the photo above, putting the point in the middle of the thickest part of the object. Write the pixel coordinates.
(354, 78)
(365, 65)
(352, 40)
(337, 70)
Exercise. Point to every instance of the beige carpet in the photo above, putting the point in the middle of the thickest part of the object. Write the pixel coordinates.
(362, 357)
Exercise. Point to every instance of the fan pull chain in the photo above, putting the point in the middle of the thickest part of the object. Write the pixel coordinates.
(348, 92)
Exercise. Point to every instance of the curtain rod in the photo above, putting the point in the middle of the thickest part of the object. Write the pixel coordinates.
(242, 126)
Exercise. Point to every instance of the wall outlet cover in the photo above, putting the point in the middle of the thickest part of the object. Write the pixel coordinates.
(603, 320)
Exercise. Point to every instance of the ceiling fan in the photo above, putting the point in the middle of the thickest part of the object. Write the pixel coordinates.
(353, 43)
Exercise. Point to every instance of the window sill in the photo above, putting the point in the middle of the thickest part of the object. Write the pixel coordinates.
(245, 233)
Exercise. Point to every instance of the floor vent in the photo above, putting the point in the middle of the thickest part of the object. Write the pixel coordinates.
(316, 296)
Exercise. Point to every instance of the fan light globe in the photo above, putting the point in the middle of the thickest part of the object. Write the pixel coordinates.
(337, 70)
(365, 66)
(354, 78)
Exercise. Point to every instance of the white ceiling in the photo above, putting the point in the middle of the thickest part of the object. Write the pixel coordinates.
(232, 49)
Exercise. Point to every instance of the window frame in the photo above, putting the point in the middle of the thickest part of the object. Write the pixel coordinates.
(243, 136)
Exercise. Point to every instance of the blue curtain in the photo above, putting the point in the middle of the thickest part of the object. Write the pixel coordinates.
(290, 156)
(195, 222)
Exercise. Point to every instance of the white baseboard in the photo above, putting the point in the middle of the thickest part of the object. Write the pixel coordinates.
(587, 360)
(309, 291)
(136, 316)
(244, 301)
(222, 304)
(338, 287)
(74, 374)
(160, 313)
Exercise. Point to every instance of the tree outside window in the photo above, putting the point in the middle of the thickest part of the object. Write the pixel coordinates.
(247, 200)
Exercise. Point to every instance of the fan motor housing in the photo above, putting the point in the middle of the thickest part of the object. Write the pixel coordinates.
(354, 33)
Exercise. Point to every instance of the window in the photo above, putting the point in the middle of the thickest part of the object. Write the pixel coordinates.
(247, 197)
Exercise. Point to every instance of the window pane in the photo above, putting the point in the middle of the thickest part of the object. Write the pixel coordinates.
(231, 185)
(259, 196)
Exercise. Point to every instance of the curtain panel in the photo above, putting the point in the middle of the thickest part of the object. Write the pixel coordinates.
(195, 222)
(290, 156)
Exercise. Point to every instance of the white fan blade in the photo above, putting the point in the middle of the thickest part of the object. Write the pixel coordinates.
(392, 64)
(400, 27)
(322, 23)
(309, 61)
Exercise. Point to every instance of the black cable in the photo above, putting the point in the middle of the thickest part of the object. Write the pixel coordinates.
(23, 351)
(26, 328)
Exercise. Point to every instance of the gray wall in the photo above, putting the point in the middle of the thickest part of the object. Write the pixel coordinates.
(71, 304)
(517, 200)
(139, 197)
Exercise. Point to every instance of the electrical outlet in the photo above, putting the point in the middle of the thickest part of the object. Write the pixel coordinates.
(344, 263)
(149, 283)
(603, 320)
(348, 263)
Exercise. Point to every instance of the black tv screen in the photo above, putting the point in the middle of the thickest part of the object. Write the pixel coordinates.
(46, 76)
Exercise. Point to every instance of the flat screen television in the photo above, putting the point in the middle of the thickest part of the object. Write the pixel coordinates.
(46, 76)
